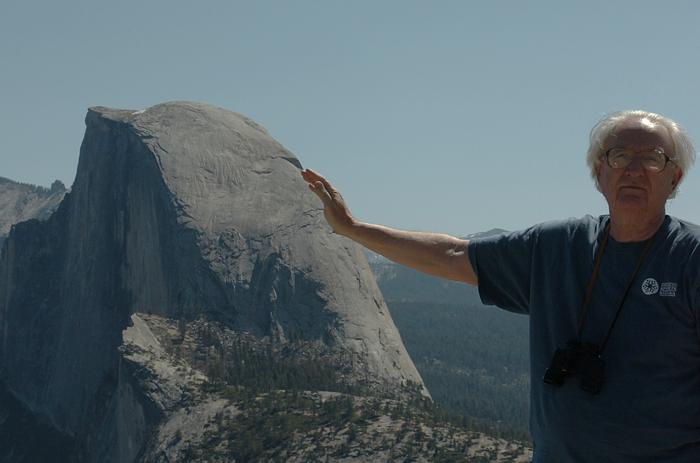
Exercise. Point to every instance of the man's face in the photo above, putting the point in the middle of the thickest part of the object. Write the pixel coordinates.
(633, 190)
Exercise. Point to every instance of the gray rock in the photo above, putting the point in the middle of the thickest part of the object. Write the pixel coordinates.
(180, 210)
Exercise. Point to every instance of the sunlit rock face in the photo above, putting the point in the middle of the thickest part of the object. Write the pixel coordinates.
(182, 210)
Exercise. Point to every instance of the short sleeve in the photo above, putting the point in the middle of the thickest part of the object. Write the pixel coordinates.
(503, 265)
(692, 280)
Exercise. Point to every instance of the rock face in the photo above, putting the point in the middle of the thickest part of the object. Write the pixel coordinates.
(182, 211)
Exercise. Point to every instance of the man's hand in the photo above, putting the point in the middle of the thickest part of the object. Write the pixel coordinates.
(334, 208)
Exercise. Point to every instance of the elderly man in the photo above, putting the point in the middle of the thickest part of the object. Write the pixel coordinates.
(614, 301)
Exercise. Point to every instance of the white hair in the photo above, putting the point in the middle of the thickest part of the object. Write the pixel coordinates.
(684, 152)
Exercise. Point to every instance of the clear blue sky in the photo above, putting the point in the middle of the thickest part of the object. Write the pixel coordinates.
(444, 116)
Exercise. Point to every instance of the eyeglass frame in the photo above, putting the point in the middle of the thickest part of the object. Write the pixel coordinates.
(606, 155)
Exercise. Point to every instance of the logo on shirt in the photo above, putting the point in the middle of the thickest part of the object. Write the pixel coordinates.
(666, 289)
(650, 286)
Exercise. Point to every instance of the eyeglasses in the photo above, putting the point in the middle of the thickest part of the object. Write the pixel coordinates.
(653, 161)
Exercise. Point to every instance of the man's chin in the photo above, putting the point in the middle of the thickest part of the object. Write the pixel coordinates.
(631, 203)
(632, 195)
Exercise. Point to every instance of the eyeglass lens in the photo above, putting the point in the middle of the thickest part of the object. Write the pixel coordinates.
(653, 160)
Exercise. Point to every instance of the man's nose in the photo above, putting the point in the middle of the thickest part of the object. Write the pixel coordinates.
(635, 167)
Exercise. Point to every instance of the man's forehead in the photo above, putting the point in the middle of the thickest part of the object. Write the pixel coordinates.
(640, 132)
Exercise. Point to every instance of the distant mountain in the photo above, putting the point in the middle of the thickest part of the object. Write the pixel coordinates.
(21, 201)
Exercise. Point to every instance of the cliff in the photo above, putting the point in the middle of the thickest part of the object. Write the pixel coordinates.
(185, 212)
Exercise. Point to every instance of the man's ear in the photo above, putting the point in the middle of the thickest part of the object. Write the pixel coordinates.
(678, 175)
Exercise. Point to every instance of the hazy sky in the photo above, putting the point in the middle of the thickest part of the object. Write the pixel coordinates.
(445, 116)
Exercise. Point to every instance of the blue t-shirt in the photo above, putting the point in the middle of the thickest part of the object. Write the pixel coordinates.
(649, 407)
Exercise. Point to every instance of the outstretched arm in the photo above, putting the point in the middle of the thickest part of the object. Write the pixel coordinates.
(434, 253)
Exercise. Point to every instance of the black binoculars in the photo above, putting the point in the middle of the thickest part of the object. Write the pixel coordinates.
(580, 359)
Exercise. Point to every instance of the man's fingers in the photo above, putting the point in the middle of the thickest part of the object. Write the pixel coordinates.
(310, 176)
(326, 183)
(313, 177)
(334, 209)
(316, 184)
(320, 189)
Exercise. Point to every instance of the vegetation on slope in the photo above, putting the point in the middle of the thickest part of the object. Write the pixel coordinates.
(474, 361)
(282, 402)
